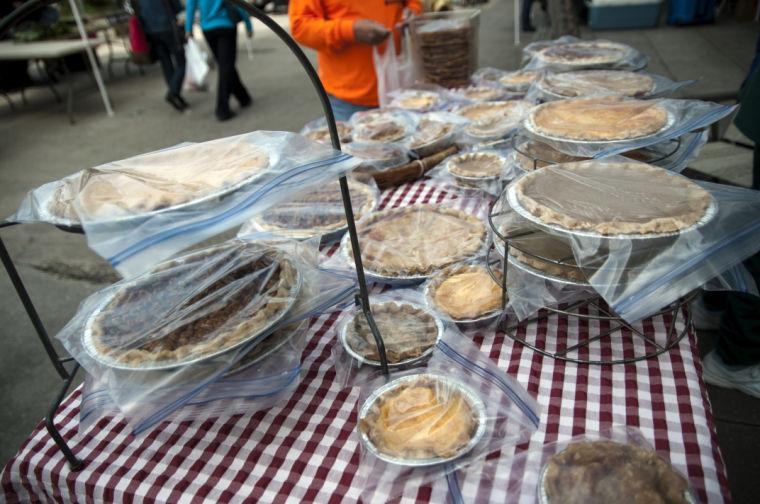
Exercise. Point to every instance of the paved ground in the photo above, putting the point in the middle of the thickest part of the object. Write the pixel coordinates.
(37, 145)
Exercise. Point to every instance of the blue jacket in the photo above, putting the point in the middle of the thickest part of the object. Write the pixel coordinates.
(214, 14)
(158, 15)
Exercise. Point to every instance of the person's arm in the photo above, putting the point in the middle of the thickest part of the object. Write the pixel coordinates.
(310, 28)
(190, 8)
(414, 6)
(246, 20)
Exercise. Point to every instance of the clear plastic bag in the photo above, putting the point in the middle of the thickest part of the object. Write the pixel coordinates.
(516, 82)
(643, 235)
(383, 125)
(141, 210)
(317, 131)
(478, 93)
(569, 53)
(476, 169)
(492, 121)
(394, 71)
(429, 422)
(318, 211)
(420, 98)
(435, 132)
(602, 126)
(375, 157)
(158, 341)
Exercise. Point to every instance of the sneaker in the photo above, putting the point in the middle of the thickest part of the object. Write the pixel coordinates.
(745, 379)
(175, 102)
(246, 103)
(225, 116)
(704, 318)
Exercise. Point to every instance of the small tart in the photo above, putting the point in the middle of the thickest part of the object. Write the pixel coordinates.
(489, 111)
(416, 100)
(585, 53)
(322, 135)
(420, 419)
(605, 471)
(418, 240)
(478, 93)
(519, 80)
(607, 118)
(476, 165)
(465, 292)
(588, 82)
(612, 198)
(408, 332)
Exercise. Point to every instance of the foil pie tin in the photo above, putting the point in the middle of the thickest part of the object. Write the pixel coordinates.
(88, 342)
(475, 182)
(363, 360)
(477, 406)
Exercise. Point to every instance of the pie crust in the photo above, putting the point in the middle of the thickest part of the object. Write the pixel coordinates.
(607, 118)
(465, 292)
(322, 135)
(612, 198)
(530, 249)
(592, 53)
(408, 332)
(420, 419)
(587, 82)
(605, 471)
(162, 319)
(484, 165)
(418, 240)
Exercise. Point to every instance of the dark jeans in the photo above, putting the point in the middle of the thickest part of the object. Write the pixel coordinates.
(223, 43)
(171, 54)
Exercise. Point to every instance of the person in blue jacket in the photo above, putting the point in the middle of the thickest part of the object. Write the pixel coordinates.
(219, 24)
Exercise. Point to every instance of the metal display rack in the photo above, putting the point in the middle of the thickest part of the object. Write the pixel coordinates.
(361, 297)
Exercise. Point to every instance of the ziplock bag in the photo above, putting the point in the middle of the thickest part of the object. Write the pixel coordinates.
(264, 377)
(420, 98)
(516, 82)
(317, 211)
(435, 131)
(197, 66)
(492, 121)
(376, 156)
(141, 210)
(317, 131)
(569, 53)
(478, 93)
(393, 71)
(427, 423)
(602, 126)
(475, 169)
(383, 125)
(644, 236)
(159, 340)
(585, 83)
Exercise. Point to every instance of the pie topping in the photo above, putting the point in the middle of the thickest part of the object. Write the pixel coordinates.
(466, 292)
(588, 82)
(585, 53)
(322, 134)
(408, 332)
(196, 306)
(476, 165)
(612, 198)
(418, 240)
(606, 118)
(604, 471)
(423, 418)
(416, 100)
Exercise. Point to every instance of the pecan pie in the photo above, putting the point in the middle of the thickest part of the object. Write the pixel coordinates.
(605, 471)
(408, 332)
(607, 118)
(418, 240)
(195, 306)
(588, 82)
(465, 292)
(420, 417)
(612, 198)
(484, 165)
(592, 53)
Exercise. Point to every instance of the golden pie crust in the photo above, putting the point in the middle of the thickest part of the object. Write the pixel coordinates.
(476, 165)
(426, 418)
(586, 82)
(607, 118)
(612, 198)
(605, 471)
(465, 292)
(418, 240)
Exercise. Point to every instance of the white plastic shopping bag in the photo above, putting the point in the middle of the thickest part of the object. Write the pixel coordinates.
(197, 66)
(393, 71)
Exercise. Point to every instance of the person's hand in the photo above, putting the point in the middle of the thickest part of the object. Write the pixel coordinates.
(370, 32)
(249, 33)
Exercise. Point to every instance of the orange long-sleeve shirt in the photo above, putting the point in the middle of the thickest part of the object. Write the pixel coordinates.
(345, 66)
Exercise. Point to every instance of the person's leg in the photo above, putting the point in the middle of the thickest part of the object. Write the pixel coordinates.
(219, 42)
(158, 45)
(343, 110)
(178, 77)
(238, 89)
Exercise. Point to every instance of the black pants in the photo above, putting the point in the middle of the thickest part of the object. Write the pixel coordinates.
(171, 54)
(223, 43)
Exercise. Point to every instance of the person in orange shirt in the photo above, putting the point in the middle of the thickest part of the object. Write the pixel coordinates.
(343, 33)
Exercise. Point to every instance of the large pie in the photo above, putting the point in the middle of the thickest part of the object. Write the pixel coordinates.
(590, 82)
(607, 118)
(195, 306)
(612, 198)
(593, 53)
(465, 292)
(408, 332)
(418, 240)
(167, 178)
(318, 211)
(423, 417)
(605, 471)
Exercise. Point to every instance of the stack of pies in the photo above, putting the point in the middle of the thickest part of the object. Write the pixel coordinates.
(605, 471)
(421, 418)
(409, 333)
(431, 136)
(607, 118)
(318, 211)
(446, 50)
(610, 198)
(322, 134)
(595, 82)
(376, 156)
(192, 308)
(478, 94)
(417, 240)
(381, 126)
(472, 166)
(547, 254)
(465, 293)
(585, 54)
(417, 100)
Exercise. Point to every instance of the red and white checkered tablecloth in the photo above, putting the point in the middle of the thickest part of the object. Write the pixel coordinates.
(305, 449)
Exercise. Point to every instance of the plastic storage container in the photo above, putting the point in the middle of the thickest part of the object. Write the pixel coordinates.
(610, 15)
(682, 12)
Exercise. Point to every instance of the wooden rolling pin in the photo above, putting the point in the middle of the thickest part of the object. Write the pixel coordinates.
(411, 171)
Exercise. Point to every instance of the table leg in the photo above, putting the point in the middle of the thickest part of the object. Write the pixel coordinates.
(50, 83)
(74, 463)
(70, 89)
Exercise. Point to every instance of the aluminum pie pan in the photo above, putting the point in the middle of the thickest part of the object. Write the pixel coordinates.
(476, 180)
(556, 96)
(89, 345)
(536, 272)
(476, 404)
(530, 126)
(436, 145)
(513, 202)
(543, 495)
(363, 360)
(483, 319)
(372, 276)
